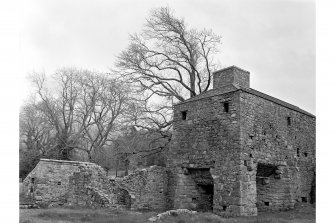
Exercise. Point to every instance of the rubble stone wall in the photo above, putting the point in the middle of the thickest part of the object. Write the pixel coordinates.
(49, 181)
(147, 188)
(232, 142)
(89, 187)
(276, 135)
(72, 183)
(207, 138)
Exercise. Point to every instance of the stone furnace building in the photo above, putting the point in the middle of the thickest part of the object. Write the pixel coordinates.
(238, 151)
(235, 151)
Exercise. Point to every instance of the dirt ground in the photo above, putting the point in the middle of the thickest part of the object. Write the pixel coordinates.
(302, 214)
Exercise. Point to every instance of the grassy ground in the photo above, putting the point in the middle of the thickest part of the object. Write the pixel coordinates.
(304, 214)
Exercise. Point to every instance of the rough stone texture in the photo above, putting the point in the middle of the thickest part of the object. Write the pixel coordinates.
(232, 144)
(91, 188)
(49, 181)
(147, 188)
(231, 75)
(72, 183)
(82, 184)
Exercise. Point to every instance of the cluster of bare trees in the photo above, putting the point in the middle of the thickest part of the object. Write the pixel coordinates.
(167, 62)
(76, 109)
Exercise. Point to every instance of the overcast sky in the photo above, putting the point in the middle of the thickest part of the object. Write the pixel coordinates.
(274, 40)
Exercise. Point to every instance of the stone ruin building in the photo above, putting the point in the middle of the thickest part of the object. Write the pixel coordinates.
(235, 151)
(238, 151)
(55, 183)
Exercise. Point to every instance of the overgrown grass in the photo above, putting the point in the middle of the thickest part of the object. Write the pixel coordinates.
(95, 216)
(304, 215)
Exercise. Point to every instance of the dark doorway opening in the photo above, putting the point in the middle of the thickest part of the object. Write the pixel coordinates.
(203, 196)
(264, 184)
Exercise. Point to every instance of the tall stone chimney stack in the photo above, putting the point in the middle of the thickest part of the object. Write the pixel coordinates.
(231, 76)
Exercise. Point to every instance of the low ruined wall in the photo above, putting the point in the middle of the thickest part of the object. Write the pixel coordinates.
(147, 188)
(72, 183)
(48, 182)
(91, 188)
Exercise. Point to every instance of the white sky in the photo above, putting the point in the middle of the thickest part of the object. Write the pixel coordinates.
(274, 40)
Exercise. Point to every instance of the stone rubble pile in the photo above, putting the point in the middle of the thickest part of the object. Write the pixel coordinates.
(171, 213)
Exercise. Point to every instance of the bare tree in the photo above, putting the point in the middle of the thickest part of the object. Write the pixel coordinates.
(84, 109)
(168, 58)
(167, 62)
(35, 132)
(103, 110)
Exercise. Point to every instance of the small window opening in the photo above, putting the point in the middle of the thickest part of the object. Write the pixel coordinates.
(298, 152)
(194, 198)
(250, 155)
(251, 136)
(305, 154)
(288, 121)
(245, 163)
(32, 180)
(266, 203)
(183, 115)
(226, 106)
(224, 207)
(264, 132)
(304, 199)
(59, 183)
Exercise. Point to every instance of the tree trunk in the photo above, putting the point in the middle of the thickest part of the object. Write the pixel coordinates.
(192, 84)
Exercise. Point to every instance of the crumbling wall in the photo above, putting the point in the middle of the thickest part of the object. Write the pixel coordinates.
(72, 183)
(273, 188)
(147, 188)
(48, 182)
(89, 187)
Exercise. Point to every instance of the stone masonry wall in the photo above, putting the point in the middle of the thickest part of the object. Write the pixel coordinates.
(231, 75)
(232, 143)
(72, 183)
(91, 188)
(268, 137)
(207, 138)
(147, 188)
(49, 181)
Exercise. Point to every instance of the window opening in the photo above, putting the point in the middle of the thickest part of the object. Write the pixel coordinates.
(288, 121)
(298, 152)
(226, 106)
(183, 115)
(304, 199)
